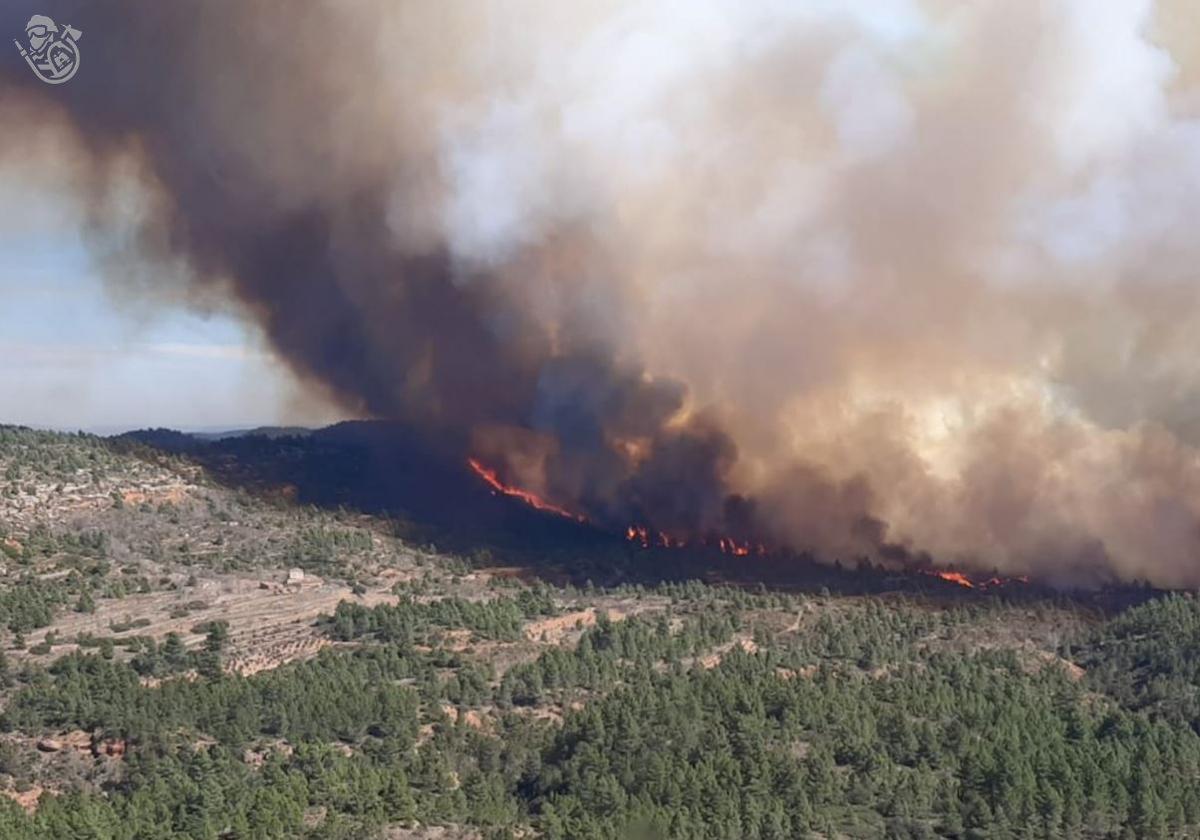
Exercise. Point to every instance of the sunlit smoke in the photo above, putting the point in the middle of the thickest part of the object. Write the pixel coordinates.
(887, 279)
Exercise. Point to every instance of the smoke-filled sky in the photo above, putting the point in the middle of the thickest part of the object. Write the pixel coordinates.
(877, 278)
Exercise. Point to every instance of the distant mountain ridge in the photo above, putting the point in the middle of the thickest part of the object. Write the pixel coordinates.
(175, 439)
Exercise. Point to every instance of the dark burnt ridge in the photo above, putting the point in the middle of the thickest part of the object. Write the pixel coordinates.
(436, 498)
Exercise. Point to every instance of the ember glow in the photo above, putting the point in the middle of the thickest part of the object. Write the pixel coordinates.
(967, 583)
(646, 537)
(640, 534)
(846, 284)
(649, 538)
(532, 499)
(956, 577)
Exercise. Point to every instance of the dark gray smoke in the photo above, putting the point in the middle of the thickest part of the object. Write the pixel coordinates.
(864, 278)
(260, 130)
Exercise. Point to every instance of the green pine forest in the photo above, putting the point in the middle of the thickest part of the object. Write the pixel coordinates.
(450, 704)
(853, 730)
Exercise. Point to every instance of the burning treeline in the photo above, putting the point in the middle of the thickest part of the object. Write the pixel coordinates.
(646, 537)
(879, 278)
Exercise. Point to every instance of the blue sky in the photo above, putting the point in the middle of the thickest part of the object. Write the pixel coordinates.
(75, 356)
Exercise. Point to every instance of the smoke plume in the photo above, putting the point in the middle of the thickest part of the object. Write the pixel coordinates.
(864, 278)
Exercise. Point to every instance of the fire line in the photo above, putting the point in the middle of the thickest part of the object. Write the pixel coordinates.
(532, 499)
(649, 538)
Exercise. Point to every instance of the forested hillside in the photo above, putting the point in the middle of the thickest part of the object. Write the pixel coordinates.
(409, 693)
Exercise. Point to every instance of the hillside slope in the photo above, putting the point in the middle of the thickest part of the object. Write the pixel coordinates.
(184, 656)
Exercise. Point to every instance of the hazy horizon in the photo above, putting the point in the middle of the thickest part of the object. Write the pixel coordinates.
(74, 354)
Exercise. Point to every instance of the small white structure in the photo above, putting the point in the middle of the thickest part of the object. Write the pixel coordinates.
(295, 577)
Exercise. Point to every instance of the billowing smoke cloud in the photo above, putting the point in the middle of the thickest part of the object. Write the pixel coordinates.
(867, 278)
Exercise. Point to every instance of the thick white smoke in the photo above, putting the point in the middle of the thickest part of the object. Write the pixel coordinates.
(940, 255)
(929, 265)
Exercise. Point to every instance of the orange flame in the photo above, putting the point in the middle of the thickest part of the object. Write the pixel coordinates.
(531, 499)
(956, 577)
(964, 581)
(639, 534)
(646, 538)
